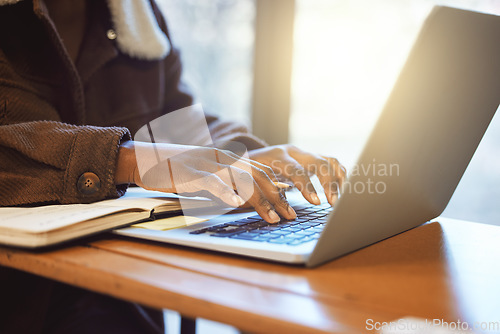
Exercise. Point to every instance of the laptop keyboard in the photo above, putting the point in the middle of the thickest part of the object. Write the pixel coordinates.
(308, 225)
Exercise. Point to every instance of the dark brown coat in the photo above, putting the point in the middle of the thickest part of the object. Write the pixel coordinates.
(59, 120)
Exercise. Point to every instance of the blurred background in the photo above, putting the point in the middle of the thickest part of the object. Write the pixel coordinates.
(316, 73)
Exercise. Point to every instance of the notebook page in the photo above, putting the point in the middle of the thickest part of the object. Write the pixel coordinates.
(50, 217)
(162, 202)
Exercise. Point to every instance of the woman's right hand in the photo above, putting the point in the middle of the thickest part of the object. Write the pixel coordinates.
(194, 170)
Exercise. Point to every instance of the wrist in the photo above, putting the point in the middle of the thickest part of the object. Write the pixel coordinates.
(125, 163)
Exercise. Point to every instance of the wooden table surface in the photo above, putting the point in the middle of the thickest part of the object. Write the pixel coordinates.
(448, 269)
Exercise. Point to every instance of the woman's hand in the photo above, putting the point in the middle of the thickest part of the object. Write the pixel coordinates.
(195, 170)
(296, 165)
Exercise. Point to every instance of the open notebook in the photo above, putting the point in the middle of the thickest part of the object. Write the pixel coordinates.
(51, 224)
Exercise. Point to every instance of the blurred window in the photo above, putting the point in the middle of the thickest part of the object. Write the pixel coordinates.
(216, 39)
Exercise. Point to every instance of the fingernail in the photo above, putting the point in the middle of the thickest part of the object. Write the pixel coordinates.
(333, 198)
(237, 200)
(274, 216)
(315, 199)
(291, 212)
(233, 199)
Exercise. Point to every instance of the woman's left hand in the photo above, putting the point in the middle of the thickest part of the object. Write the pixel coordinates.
(296, 165)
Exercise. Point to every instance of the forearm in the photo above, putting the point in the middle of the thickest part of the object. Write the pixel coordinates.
(126, 164)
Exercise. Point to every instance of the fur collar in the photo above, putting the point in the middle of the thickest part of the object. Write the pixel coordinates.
(137, 31)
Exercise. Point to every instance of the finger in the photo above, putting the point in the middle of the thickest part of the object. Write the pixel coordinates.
(226, 160)
(262, 186)
(213, 184)
(325, 171)
(340, 170)
(249, 165)
(267, 169)
(273, 193)
(264, 177)
(293, 170)
(251, 192)
(326, 168)
(234, 157)
(338, 179)
(223, 169)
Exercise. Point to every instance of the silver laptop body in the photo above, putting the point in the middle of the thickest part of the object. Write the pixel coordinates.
(429, 129)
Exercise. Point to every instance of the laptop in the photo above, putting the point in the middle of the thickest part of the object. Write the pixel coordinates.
(428, 131)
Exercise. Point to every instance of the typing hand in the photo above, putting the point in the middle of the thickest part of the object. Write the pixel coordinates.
(195, 170)
(296, 165)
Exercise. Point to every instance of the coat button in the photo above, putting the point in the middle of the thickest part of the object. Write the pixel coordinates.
(88, 183)
(111, 34)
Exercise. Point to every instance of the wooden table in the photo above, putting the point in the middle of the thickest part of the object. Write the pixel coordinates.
(442, 270)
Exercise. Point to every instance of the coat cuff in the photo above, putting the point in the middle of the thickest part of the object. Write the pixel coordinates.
(90, 172)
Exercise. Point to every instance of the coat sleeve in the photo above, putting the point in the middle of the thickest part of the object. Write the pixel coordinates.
(224, 132)
(43, 161)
